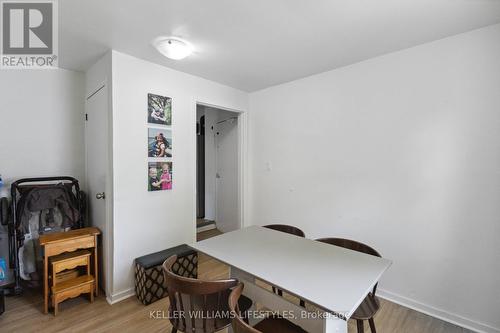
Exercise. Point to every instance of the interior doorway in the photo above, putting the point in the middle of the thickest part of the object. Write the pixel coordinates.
(97, 166)
(218, 169)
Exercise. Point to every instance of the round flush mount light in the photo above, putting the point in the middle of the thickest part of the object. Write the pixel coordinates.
(173, 47)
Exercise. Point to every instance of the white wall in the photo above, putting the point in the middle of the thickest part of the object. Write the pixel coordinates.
(146, 222)
(41, 124)
(401, 152)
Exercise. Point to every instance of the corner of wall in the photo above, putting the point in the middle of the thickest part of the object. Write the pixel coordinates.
(121, 296)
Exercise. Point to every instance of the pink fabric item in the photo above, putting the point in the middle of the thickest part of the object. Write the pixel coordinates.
(167, 184)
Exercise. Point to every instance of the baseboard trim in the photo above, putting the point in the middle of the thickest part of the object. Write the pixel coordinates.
(122, 295)
(437, 313)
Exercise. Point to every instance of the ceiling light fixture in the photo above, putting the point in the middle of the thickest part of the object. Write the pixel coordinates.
(173, 47)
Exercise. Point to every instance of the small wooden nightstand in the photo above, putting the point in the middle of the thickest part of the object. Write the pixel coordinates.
(68, 242)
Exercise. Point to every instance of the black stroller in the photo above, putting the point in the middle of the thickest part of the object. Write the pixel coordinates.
(47, 197)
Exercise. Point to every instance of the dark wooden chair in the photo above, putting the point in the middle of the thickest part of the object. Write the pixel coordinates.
(289, 229)
(195, 303)
(268, 325)
(286, 228)
(370, 305)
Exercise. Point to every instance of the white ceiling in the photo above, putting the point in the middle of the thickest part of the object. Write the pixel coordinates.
(255, 44)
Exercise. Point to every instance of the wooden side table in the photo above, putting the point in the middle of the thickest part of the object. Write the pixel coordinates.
(60, 242)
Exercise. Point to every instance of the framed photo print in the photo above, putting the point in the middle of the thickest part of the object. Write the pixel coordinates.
(159, 142)
(159, 176)
(159, 110)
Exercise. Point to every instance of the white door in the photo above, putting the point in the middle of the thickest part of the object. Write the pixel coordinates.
(226, 190)
(96, 137)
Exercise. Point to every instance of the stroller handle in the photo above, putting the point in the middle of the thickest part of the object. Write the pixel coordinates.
(43, 179)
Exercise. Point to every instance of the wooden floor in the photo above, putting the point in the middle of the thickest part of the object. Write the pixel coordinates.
(24, 313)
(207, 234)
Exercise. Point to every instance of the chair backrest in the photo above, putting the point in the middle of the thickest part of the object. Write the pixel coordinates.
(286, 228)
(197, 305)
(239, 326)
(352, 245)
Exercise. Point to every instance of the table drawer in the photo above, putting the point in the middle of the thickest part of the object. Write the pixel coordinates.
(70, 245)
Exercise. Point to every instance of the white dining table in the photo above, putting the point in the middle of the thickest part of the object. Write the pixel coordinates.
(333, 279)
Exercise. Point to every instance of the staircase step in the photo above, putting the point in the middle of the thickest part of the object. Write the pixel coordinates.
(205, 225)
(72, 283)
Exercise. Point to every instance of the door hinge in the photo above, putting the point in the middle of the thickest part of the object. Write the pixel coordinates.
(86, 117)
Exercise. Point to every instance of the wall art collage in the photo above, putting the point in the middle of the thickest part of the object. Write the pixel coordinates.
(160, 146)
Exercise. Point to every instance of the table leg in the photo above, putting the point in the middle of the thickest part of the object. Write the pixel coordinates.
(45, 282)
(96, 268)
(92, 294)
